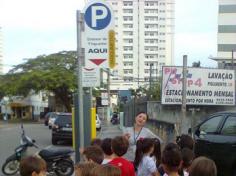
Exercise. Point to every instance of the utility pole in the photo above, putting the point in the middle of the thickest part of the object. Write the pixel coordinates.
(79, 129)
(150, 79)
(108, 91)
(184, 87)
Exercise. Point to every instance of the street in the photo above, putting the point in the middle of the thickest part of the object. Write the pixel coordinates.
(10, 137)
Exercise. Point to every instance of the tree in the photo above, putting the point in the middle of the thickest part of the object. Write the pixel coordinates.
(54, 73)
(196, 64)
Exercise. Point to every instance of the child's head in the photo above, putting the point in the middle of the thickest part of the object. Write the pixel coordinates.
(203, 166)
(84, 169)
(105, 170)
(143, 146)
(171, 158)
(119, 145)
(185, 141)
(187, 157)
(93, 154)
(106, 146)
(96, 142)
(157, 150)
(33, 166)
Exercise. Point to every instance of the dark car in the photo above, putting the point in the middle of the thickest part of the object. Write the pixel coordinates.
(62, 128)
(215, 138)
(46, 118)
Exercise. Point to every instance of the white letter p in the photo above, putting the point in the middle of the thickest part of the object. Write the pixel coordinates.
(96, 17)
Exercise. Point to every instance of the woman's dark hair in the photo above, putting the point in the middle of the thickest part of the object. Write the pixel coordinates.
(185, 141)
(203, 166)
(142, 112)
(142, 146)
(171, 157)
(157, 151)
(106, 146)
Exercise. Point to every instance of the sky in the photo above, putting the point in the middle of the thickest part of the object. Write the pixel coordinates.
(36, 27)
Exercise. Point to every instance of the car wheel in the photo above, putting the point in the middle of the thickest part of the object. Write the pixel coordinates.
(50, 127)
(54, 141)
(99, 129)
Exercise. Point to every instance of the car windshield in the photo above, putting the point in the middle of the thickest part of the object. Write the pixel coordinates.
(63, 119)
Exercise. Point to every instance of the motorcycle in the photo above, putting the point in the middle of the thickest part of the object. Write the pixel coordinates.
(115, 119)
(58, 160)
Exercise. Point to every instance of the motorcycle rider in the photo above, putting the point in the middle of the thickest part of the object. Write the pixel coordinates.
(33, 166)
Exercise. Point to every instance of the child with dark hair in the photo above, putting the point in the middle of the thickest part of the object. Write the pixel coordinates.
(119, 147)
(106, 147)
(33, 166)
(96, 142)
(185, 141)
(203, 166)
(143, 161)
(105, 170)
(84, 169)
(171, 160)
(156, 154)
(187, 157)
(93, 154)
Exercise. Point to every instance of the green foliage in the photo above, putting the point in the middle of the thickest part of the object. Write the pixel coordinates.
(54, 73)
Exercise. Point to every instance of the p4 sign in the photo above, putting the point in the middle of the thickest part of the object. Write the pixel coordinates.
(98, 17)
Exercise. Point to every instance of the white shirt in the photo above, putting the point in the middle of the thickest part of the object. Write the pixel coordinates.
(134, 136)
(146, 167)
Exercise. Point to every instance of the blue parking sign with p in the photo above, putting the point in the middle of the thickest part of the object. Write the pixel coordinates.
(97, 16)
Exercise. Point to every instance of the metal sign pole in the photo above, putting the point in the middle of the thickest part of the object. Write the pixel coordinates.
(184, 87)
(79, 123)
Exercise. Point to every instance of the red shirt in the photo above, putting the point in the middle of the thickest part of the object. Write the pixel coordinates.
(126, 167)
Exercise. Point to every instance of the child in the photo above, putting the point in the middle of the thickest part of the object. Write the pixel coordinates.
(84, 169)
(188, 157)
(106, 147)
(185, 141)
(203, 166)
(156, 154)
(143, 161)
(33, 166)
(119, 147)
(93, 154)
(105, 170)
(96, 142)
(171, 160)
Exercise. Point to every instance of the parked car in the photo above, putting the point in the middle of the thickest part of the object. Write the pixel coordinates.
(52, 118)
(98, 123)
(46, 118)
(62, 128)
(215, 138)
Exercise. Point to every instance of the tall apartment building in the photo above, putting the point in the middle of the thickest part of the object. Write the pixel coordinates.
(144, 41)
(226, 36)
(1, 52)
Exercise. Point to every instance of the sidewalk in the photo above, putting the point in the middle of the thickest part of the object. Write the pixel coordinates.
(109, 131)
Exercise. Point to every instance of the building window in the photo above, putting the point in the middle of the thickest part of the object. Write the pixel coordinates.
(151, 18)
(147, 11)
(151, 40)
(128, 71)
(128, 56)
(128, 40)
(151, 3)
(151, 56)
(128, 63)
(114, 3)
(128, 48)
(128, 25)
(127, 32)
(128, 18)
(151, 48)
(127, 3)
(127, 10)
(151, 26)
(150, 33)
